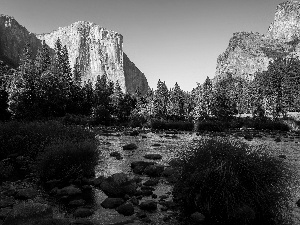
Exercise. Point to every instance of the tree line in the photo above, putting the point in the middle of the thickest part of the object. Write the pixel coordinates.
(45, 86)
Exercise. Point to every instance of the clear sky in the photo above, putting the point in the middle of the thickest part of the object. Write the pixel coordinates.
(172, 40)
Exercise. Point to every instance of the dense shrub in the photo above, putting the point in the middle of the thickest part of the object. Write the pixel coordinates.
(67, 160)
(71, 119)
(31, 138)
(171, 125)
(233, 183)
(210, 125)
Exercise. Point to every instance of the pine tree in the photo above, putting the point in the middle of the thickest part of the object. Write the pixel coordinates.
(161, 100)
(176, 103)
(22, 91)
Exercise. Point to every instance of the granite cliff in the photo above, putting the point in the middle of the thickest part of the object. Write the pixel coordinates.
(97, 50)
(13, 37)
(248, 52)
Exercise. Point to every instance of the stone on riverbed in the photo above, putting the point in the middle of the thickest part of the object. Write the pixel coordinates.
(126, 209)
(117, 155)
(27, 193)
(130, 146)
(151, 182)
(26, 212)
(139, 166)
(83, 212)
(148, 205)
(118, 185)
(154, 170)
(153, 156)
(111, 203)
(69, 191)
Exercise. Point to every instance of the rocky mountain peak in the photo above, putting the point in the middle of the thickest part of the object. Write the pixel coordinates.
(286, 25)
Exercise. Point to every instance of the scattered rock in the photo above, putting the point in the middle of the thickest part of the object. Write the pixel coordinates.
(118, 185)
(244, 214)
(156, 145)
(139, 166)
(151, 182)
(134, 201)
(28, 211)
(77, 202)
(198, 217)
(53, 222)
(134, 133)
(82, 221)
(153, 156)
(148, 205)
(98, 181)
(168, 171)
(117, 155)
(4, 212)
(27, 193)
(126, 209)
(175, 162)
(282, 156)
(111, 203)
(277, 139)
(69, 191)
(83, 212)
(154, 170)
(130, 146)
(7, 202)
(52, 184)
(298, 203)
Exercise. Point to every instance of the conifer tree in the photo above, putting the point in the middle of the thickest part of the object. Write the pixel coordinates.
(161, 100)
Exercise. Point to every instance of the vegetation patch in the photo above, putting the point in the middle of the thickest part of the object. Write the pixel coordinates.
(232, 183)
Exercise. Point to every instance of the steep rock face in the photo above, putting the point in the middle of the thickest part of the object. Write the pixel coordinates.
(98, 51)
(134, 77)
(13, 38)
(286, 23)
(248, 52)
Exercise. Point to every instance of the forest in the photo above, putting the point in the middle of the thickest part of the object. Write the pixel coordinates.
(45, 86)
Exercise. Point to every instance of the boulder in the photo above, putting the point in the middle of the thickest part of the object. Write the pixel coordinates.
(28, 211)
(156, 145)
(27, 193)
(4, 212)
(153, 156)
(82, 221)
(83, 212)
(138, 167)
(168, 171)
(98, 181)
(111, 203)
(130, 146)
(126, 209)
(118, 185)
(148, 205)
(77, 202)
(117, 155)
(154, 170)
(52, 222)
(69, 191)
(7, 202)
(151, 182)
(198, 217)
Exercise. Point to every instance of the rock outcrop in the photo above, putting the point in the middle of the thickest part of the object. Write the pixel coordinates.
(13, 38)
(248, 52)
(97, 51)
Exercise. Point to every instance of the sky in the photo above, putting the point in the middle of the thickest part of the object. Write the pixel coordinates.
(171, 40)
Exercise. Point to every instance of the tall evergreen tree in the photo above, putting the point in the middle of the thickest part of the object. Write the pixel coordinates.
(161, 100)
